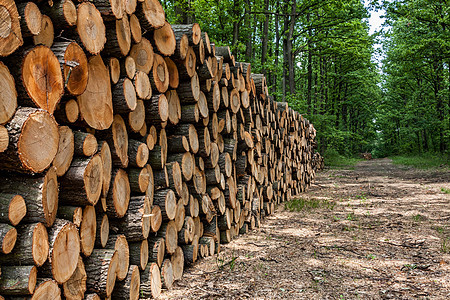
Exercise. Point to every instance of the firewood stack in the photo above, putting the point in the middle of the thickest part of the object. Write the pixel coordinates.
(129, 148)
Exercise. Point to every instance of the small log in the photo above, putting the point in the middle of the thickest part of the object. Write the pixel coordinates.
(85, 144)
(124, 96)
(88, 230)
(62, 12)
(167, 274)
(82, 183)
(168, 231)
(192, 31)
(13, 208)
(30, 18)
(118, 196)
(139, 254)
(110, 9)
(118, 37)
(177, 261)
(46, 289)
(90, 28)
(190, 252)
(142, 85)
(117, 138)
(156, 249)
(95, 104)
(129, 287)
(101, 267)
(150, 282)
(159, 76)
(166, 200)
(102, 232)
(142, 53)
(31, 248)
(64, 242)
(40, 195)
(105, 154)
(137, 153)
(156, 219)
(119, 244)
(8, 238)
(75, 287)
(135, 26)
(66, 148)
(151, 14)
(164, 40)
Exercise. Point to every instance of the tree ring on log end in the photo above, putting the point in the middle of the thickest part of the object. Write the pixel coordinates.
(42, 78)
(77, 82)
(65, 253)
(93, 179)
(50, 196)
(91, 28)
(33, 18)
(70, 12)
(40, 244)
(37, 147)
(5, 22)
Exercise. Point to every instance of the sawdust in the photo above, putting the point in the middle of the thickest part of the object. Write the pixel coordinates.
(385, 236)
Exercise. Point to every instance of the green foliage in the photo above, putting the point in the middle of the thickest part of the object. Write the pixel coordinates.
(423, 161)
(336, 160)
(445, 190)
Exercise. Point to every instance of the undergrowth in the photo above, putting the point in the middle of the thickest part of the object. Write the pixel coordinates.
(335, 160)
(301, 204)
(423, 161)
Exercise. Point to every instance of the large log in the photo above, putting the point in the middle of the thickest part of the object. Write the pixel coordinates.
(151, 14)
(128, 288)
(8, 97)
(120, 245)
(10, 36)
(28, 151)
(75, 287)
(150, 282)
(90, 28)
(18, 280)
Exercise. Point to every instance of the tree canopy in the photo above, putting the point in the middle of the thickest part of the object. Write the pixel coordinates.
(318, 56)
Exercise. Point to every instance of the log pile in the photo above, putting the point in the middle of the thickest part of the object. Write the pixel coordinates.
(129, 148)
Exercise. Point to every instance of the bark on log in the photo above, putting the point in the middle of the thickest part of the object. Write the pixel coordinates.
(101, 266)
(18, 280)
(75, 287)
(128, 288)
(119, 244)
(118, 196)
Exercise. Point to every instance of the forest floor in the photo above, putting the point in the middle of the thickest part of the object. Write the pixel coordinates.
(373, 231)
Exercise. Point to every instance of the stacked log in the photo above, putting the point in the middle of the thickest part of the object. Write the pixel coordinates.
(130, 148)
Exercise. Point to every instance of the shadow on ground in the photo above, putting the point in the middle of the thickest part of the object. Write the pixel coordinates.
(386, 236)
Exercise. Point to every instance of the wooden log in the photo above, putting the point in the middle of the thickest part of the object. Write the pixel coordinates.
(157, 109)
(128, 288)
(105, 154)
(90, 28)
(166, 200)
(124, 96)
(40, 195)
(167, 274)
(110, 9)
(156, 218)
(31, 247)
(74, 66)
(174, 106)
(150, 282)
(8, 98)
(101, 266)
(46, 289)
(95, 104)
(142, 85)
(192, 31)
(164, 40)
(119, 244)
(137, 153)
(30, 18)
(18, 280)
(186, 234)
(136, 223)
(189, 91)
(8, 238)
(118, 196)
(177, 261)
(175, 177)
(130, 6)
(65, 153)
(28, 151)
(102, 232)
(64, 242)
(85, 144)
(142, 53)
(139, 253)
(140, 179)
(159, 76)
(11, 36)
(88, 230)
(82, 184)
(4, 138)
(117, 138)
(177, 144)
(156, 249)
(136, 119)
(63, 13)
(13, 208)
(136, 30)
(75, 287)
(168, 231)
(118, 37)
(191, 251)
(151, 14)
(174, 78)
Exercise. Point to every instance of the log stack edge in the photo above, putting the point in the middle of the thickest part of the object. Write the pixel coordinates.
(130, 148)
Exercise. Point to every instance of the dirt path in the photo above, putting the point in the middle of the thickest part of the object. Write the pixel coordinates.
(377, 231)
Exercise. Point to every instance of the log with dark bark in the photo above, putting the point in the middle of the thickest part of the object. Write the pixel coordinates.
(118, 196)
(128, 288)
(119, 244)
(101, 266)
(150, 279)
(18, 280)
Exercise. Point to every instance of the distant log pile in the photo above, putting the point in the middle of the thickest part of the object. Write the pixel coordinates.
(132, 147)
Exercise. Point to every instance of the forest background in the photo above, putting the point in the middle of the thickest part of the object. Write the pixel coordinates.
(319, 56)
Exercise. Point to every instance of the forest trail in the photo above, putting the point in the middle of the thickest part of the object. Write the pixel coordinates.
(375, 231)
